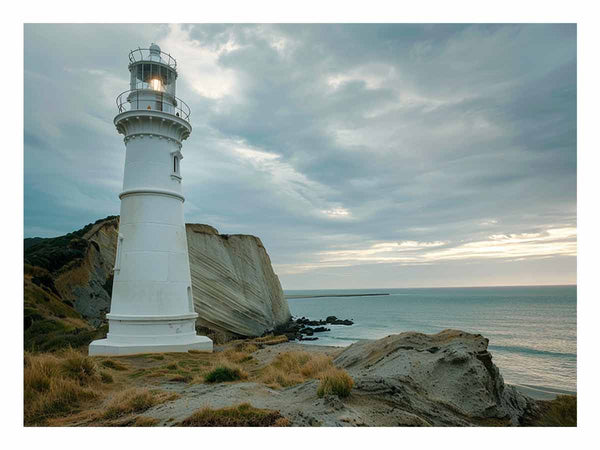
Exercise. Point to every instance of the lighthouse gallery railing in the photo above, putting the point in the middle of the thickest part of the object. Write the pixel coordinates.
(165, 103)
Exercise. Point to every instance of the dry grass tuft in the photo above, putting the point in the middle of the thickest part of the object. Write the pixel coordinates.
(291, 368)
(143, 421)
(114, 365)
(106, 377)
(182, 378)
(135, 400)
(243, 415)
(79, 367)
(335, 382)
(55, 387)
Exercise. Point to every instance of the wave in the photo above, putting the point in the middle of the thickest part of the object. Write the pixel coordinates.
(531, 351)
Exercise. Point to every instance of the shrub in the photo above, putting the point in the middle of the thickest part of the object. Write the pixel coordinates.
(225, 373)
(243, 415)
(335, 381)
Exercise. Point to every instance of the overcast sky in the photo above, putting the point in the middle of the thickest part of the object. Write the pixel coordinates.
(362, 155)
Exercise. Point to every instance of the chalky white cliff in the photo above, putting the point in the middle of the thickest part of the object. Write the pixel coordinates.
(152, 307)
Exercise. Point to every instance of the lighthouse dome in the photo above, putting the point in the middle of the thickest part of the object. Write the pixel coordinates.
(154, 49)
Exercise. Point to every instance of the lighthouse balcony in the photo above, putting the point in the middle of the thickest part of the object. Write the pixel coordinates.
(153, 100)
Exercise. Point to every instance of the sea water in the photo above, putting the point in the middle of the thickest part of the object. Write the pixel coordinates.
(532, 330)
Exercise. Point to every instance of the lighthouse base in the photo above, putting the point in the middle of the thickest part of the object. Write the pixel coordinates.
(131, 335)
(105, 347)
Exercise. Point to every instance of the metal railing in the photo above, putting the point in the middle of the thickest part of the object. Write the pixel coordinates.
(156, 101)
(143, 54)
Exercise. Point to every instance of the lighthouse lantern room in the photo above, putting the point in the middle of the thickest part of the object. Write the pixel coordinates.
(152, 307)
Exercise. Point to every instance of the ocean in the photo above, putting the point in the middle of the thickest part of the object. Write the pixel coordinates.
(532, 330)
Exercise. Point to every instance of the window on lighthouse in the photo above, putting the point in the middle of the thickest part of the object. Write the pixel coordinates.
(176, 165)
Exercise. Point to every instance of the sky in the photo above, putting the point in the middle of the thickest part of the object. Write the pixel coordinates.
(363, 156)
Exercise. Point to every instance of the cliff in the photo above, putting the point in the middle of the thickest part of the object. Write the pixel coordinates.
(235, 289)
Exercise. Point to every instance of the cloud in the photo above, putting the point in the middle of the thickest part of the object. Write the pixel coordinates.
(344, 147)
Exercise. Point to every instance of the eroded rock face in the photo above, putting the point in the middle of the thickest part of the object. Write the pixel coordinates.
(445, 379)
(235, 289)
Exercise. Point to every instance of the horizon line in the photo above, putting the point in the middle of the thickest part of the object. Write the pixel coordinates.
(437, 287)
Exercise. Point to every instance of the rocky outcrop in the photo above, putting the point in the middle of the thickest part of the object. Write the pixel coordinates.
(235, 289)
(442, 379)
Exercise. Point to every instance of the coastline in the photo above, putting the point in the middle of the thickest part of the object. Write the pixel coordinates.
(541, 392)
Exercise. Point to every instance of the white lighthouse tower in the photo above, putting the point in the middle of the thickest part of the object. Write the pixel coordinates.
(152, 308)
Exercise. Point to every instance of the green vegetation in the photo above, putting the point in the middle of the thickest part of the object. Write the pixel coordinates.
(243, 415)
(335, 382)
(54, 253)
(50, 323)
(225, 373)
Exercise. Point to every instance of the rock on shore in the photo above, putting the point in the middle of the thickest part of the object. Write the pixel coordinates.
(443, 379)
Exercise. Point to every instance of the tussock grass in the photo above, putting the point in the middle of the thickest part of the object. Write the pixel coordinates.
(560, 412)
(243, 415)
(106, 377)
(182, 378)
(135, 400)
(335, 382)
(291, 368)
(143, 421)
(79, 367)
(55, 386)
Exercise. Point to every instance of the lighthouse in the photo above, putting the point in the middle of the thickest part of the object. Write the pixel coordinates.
(152, 307)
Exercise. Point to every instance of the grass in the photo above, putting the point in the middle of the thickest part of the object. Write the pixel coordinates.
(335, 382)
(67, 387)
(106, 377)
(134, 400)
(225, 373)
(56, 386)
(291, 368)
(114, 365)
(77, 366)
(560, 412)
(243, 415)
